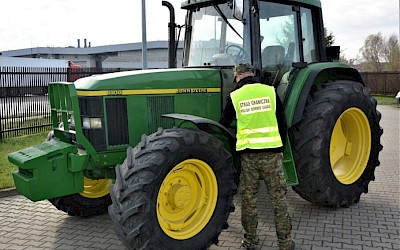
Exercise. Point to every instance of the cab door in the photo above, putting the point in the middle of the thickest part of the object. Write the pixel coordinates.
(287, 39)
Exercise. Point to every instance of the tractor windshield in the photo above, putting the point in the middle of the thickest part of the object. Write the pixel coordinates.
(216, 37)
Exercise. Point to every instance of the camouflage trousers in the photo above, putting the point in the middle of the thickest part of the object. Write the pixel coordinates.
(266, 166)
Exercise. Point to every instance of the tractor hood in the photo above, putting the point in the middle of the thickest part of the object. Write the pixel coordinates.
(161, 81)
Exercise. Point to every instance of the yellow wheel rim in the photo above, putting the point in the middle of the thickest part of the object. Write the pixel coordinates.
(95, 188)
(350, 145)
(187, 199)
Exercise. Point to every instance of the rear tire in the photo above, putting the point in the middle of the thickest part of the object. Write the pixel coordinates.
(173, 191)
(336, 144)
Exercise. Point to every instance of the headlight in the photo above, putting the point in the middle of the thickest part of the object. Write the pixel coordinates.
(71, 123)
(90, 122)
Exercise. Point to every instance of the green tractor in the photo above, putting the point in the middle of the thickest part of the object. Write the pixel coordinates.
(146, 145)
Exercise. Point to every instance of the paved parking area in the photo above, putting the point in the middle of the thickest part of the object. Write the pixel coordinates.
(373, 223)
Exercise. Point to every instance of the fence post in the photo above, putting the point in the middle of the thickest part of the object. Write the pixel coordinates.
(384, 86)
(1, 132)
(1, 111)
(69, 74)
(1, 86)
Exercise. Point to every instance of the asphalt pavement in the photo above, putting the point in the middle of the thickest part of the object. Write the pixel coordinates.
(373, 223)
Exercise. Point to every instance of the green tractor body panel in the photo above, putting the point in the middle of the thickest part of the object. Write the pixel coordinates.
(289, 167)
(45, 170)
(171, 79)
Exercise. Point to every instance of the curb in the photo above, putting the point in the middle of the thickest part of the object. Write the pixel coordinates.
(8, 192)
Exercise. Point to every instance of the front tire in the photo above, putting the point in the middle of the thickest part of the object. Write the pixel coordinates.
(173, 191)
(93, 201)
(336, 144)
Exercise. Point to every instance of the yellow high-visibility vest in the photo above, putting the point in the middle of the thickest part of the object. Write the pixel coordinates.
(257, 126)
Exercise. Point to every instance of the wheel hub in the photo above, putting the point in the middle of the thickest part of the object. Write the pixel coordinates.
(179, 196)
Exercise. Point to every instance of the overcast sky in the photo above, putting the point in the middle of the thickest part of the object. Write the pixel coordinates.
(59, 23)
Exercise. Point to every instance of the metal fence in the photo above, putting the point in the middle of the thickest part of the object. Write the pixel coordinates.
(24, 104)
(382, 83)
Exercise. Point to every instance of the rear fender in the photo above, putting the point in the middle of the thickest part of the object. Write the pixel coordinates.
(304, 79)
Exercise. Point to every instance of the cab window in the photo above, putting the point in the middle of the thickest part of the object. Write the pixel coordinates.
(307, 28)
(279, 41)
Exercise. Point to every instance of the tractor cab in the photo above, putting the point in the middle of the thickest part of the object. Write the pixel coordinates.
(273, 37)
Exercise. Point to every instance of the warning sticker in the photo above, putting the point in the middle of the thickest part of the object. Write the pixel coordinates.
(255, 105)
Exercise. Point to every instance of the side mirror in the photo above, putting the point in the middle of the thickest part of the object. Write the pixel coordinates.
(333, 53)
(238, 9)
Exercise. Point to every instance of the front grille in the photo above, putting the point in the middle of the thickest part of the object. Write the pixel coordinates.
(91, 106)
(160, 105)
(117, 121)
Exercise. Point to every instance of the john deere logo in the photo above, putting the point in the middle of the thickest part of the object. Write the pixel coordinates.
(189, 91)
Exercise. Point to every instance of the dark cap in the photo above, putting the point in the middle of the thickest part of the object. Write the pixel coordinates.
(241, 68)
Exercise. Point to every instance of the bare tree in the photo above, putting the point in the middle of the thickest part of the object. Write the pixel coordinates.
(392, 53)
(329, 37)
(343, 59)
(287, 32)
(373, 51)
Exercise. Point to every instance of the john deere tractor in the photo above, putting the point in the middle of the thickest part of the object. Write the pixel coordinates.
(146, 146)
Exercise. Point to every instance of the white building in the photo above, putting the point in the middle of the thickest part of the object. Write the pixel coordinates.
(110, 56)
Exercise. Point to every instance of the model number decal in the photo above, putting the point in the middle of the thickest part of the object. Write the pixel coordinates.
(114, 92)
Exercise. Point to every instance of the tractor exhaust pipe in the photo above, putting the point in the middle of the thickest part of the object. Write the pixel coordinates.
(171, 34)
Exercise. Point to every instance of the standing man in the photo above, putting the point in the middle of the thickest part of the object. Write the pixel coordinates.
(261, 131)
